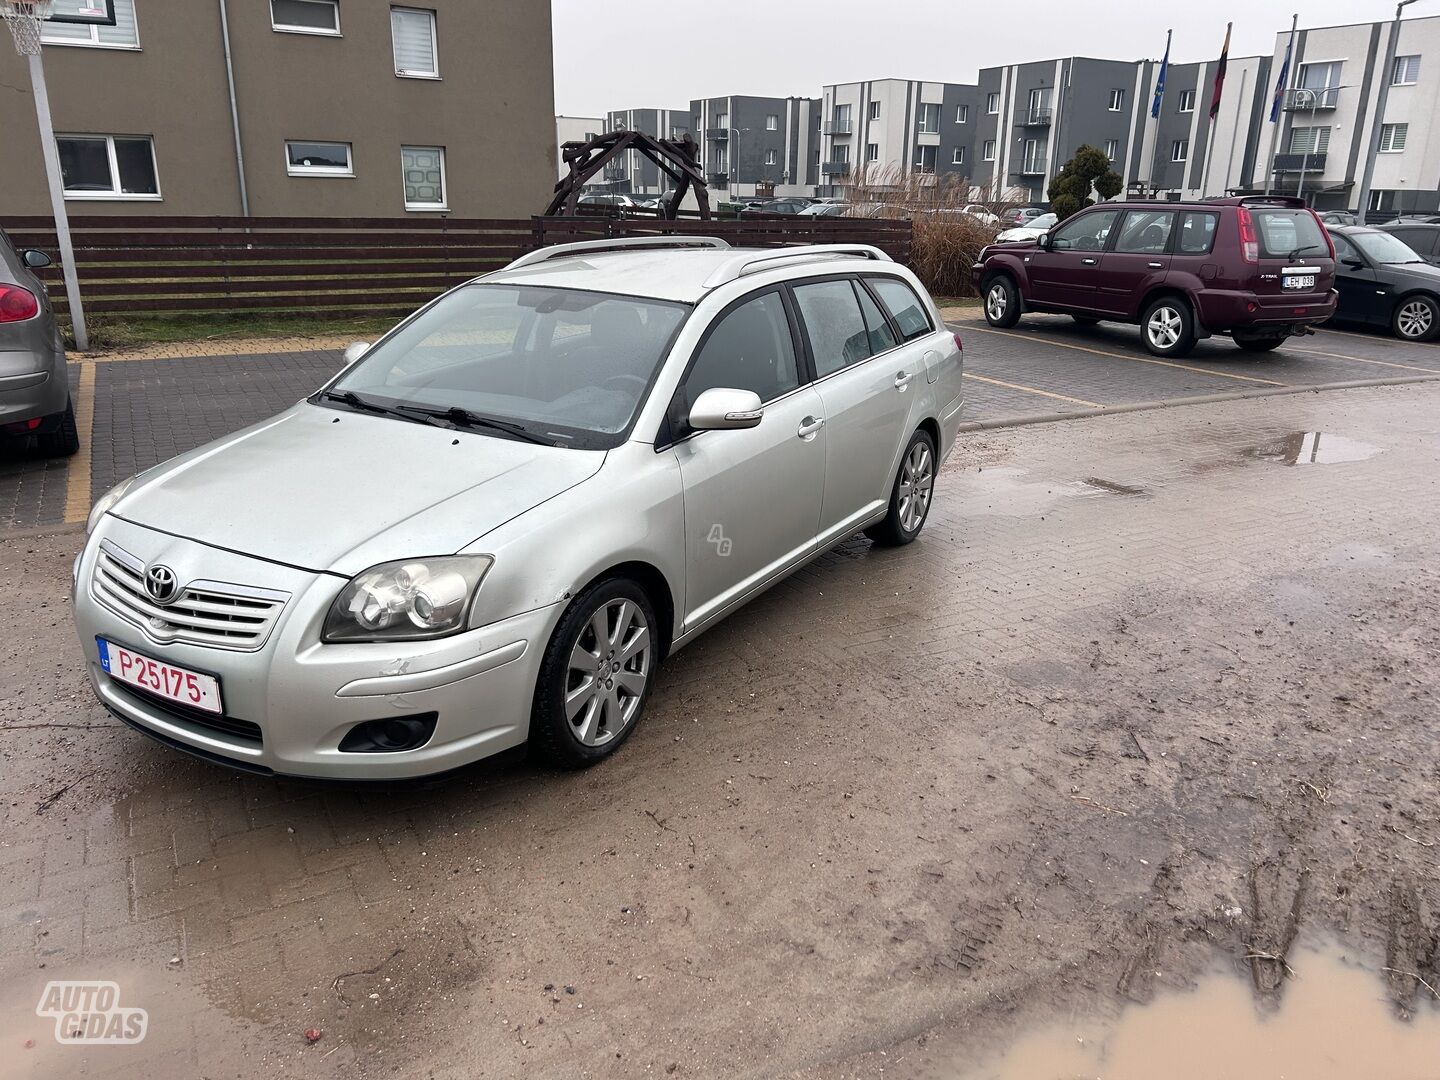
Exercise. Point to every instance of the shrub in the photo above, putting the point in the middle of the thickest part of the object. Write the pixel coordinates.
(1070, 190)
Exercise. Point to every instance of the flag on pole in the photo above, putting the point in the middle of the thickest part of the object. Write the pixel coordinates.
(1220, 74)
(1279, 98)
(1160, 82)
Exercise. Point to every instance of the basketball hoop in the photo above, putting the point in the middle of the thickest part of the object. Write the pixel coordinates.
(24, 18)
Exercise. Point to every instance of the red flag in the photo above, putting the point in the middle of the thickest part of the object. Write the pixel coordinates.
(1220, 74)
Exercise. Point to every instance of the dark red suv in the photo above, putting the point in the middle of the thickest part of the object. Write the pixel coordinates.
(1257, 268)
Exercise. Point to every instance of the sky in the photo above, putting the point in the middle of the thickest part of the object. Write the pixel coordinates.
(660, 55)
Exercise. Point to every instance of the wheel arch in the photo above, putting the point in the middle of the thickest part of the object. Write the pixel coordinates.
(650, 578)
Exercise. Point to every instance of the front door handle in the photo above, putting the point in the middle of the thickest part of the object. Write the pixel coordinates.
(809, 426)
(1089, 262)
(902, 379)
(1157, 266)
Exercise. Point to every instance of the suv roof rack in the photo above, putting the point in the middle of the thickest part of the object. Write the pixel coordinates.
(755, 262)
(563, 251)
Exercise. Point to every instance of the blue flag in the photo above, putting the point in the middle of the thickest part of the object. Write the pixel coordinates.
(1280, 83)
(1160, 82)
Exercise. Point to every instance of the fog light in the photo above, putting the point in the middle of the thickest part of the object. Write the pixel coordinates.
(392, 735)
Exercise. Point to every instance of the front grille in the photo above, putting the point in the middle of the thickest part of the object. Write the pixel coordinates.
(229, 726)
(205, 613)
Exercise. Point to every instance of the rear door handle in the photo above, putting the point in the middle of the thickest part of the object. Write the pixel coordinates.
(1157, 266)
(902, 379)
(1089, 262)
(809, 426)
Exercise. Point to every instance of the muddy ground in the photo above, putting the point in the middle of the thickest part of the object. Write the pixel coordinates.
(1154, 691)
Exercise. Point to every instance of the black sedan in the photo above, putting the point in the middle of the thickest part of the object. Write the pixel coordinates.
(1423, 238)
(1382, 281)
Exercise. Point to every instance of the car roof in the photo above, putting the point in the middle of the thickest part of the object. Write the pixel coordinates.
(679, 274)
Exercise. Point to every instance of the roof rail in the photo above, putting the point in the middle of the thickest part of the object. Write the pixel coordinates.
(755, 262)
(562, 251)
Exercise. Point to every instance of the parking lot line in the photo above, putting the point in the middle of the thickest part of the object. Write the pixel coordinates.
(77, 473)
(1364, 360)
(1371, 337)
(1033, 390)
(1125, 356)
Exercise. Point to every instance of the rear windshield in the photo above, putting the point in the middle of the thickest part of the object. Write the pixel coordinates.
(1286, 234)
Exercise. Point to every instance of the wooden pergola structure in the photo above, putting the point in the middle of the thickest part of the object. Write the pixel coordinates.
(674, 157)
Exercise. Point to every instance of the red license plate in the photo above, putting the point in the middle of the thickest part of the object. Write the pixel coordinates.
(192, 688)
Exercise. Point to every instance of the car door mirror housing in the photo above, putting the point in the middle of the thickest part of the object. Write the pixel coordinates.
(1354, 264)
(1044, 240)
(35, 259)
(721, 408)
(355, 350)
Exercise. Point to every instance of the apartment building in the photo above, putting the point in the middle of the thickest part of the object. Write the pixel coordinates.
(339, 108)
(872, 133)
(632, 172)
(757, 146)
(574, 129)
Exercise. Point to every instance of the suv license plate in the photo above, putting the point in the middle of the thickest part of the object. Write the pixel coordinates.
(1300, 281)
(192, 688)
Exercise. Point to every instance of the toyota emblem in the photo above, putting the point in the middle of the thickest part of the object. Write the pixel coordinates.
(161, 584)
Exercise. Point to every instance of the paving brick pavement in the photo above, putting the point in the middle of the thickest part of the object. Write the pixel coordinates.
(712, 862)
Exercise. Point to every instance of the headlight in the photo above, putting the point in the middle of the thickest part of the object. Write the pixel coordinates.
(407, 601)
(105, 502)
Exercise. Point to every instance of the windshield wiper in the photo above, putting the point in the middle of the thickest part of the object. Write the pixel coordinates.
(355, 401)
(1300, 250)
(459, 417)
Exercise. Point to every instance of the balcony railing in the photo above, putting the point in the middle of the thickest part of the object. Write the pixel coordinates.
(1033, 168)
(1038, 118)
(718, 179)
(1303, 99)
(1294, 163)
(835, 168)
(837, 127)
(717, 134)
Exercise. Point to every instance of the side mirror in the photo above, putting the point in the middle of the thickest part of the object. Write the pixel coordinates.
(721, 409)
(1043, 240)
(1354, 264)
(35, 259)
(355, 350)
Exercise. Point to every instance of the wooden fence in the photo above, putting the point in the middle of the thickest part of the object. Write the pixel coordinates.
(347, 266)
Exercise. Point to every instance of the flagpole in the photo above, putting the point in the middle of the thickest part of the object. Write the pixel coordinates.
(1155, 143)
(1281, 91)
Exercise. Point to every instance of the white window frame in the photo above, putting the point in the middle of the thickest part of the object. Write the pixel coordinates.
(321, 170)
(1112, 149)
(1179, 151)
(772, 157)
(987, 150)
(1116, 102)
(874, 110)
(772, 122)
(1033, 156)
(1316, 140)
(443, 206)
(957, 156)
(962, 114)
(992, 104)
(1387, 137)
(872, 153)
(1187, 100)
(1411, 66)
(114, 194)
(287, 28)
(434, 43)
(927, 109)
(94, 30)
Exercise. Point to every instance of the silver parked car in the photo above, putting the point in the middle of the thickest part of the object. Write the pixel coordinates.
(495, 523)
(35, 407)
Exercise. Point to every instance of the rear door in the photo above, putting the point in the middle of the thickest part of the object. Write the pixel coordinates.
(1293, 268)
(1139, 257)
(1068, 273)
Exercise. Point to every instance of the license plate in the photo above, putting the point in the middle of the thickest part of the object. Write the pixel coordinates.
(167, 681)
(1300, 281)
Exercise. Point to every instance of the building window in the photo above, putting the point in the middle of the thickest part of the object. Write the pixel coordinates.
(413, 31)
(987, 150)
(125, 34)
(840, 153)
(1112, 148)
(1180, 150)
(1319, 85)
(1309, 140)
(722, 121)
(1187, 100)
(772, 123)
(992, 104)
(958, 157)
(306, 16)
(772, 157)
(424, 171)
(929, 119)
(874, 110)
(1406, 72)
(962, 114)
(1034, 156)
(318, 159)
(872, 151)
(108, 166)
(1117, 101)
(925, 158)
(1392, 137)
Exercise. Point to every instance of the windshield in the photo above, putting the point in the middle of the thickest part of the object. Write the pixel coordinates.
(1384, 248)
(1044, 221)
(568, 366)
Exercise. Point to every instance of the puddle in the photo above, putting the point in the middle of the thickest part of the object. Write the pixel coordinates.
(1004, 491)
(1335, 1021)
(1313, 448)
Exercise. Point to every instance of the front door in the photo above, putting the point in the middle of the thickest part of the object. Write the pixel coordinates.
(1067, 274)
(752, 496)
(1363, 297)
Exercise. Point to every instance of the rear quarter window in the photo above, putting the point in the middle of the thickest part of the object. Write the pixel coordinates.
(1196, 234)
(1284, 233)
(904, 306)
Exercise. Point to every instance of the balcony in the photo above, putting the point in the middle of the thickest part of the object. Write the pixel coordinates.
(1303, 99)
(1038, 118)
(837, 127)
(718, 179)
(1033, 168)
(1294, 163)
(717, 134)
(835, 168)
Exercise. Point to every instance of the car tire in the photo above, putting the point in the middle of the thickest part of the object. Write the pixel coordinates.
(1086, 320)
(583, 712)
(911, 495)
(1416, 318)
(1002, 302)
(1168, 327)
(64, 440)
(1259, 344)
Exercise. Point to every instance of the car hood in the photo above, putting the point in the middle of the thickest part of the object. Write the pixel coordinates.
(326, 490)
(1422, 275)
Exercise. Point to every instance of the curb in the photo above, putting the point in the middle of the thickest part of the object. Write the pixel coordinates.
(1195, 399)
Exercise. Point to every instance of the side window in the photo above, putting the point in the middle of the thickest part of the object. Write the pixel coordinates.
(1145, 232)
(1087, 232)
(833, 324)
(1197, 233)
(881, 336)
(750, 349)
(904, 305)
(1344, 249)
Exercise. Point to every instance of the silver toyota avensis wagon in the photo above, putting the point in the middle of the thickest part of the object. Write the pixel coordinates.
(493, 525)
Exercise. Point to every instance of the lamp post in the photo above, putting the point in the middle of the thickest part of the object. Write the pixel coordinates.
(1387, 74)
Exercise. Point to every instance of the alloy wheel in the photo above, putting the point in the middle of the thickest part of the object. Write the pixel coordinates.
(608, 671)
(1164, 327)
(917, 481)
(996, 302)
(1415, 319)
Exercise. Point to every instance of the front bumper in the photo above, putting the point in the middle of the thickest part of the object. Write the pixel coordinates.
(304, 696)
